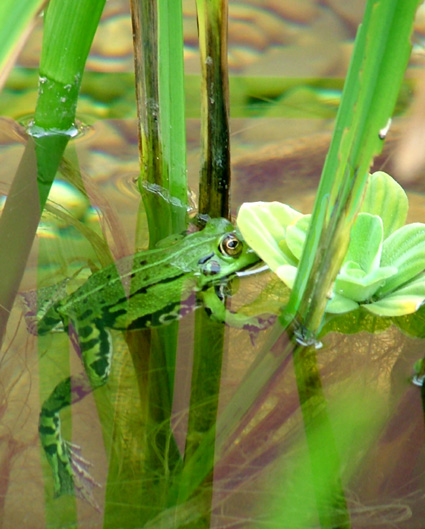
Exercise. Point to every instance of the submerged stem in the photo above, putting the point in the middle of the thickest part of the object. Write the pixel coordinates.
(324, 457)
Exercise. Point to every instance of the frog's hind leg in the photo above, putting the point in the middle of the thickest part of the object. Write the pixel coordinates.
(70, 470)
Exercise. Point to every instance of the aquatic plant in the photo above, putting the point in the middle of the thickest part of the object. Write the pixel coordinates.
(150, 481)
(383, 267)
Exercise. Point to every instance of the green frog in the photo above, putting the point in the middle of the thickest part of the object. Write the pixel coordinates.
(149, 289)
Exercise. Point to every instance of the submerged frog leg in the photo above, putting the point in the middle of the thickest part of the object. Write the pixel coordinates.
(214, 305)
(70, 470)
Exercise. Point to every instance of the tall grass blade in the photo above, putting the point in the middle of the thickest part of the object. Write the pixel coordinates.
(376, 71)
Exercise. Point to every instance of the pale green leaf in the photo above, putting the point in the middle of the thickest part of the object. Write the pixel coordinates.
(405, 300)
(296, 234)
(340, 304)
(287, 274)
(263, 226)
(366, 242)
(404, 249)
(386, 198)
(355, 284)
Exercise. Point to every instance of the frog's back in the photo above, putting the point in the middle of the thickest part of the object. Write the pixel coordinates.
(145, 289)
(111, 293)
(136, 286)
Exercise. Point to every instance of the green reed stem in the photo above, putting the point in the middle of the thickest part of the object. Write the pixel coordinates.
(213, 201)
(214, 185)
(158, 45)
(64, 52)
(376, 71)
(324, 456)
(172, 107)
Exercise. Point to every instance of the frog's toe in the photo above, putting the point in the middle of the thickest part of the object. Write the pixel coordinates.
(70, 470)
(84, 483)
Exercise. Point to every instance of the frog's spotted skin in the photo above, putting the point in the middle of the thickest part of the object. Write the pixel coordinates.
(150, 289)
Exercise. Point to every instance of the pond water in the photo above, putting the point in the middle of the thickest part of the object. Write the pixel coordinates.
(287, 60)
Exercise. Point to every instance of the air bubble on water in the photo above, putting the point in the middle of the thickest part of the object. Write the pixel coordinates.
(165, 195)
(77, 129)
(418, 380)
(305, 337)
(384, 131)
(41, 132)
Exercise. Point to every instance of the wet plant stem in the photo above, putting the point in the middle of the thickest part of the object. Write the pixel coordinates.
(379, 60)
(158, 50)
(63, 58)
(215, 153)
(324, 457)
(213, 201)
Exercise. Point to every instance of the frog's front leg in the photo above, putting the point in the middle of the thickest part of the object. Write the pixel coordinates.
(69, 468)
(213, 300)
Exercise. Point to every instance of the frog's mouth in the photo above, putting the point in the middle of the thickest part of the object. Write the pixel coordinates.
(257, 269)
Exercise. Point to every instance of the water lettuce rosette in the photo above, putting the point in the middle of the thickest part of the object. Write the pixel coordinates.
(383, 270)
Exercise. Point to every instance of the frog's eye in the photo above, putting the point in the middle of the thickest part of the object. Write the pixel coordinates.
(230, 245)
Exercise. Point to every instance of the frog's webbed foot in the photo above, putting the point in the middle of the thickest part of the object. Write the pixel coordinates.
(84, 483)
(39, 308)
(70, 470)
(71, 475)
(218, 312)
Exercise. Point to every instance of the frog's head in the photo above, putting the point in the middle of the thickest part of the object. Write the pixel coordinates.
(228, 254)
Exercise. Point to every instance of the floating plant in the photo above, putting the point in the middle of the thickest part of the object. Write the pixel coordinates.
(383, 270)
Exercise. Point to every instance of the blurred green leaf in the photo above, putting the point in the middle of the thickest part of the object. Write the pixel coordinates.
(16, 21)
